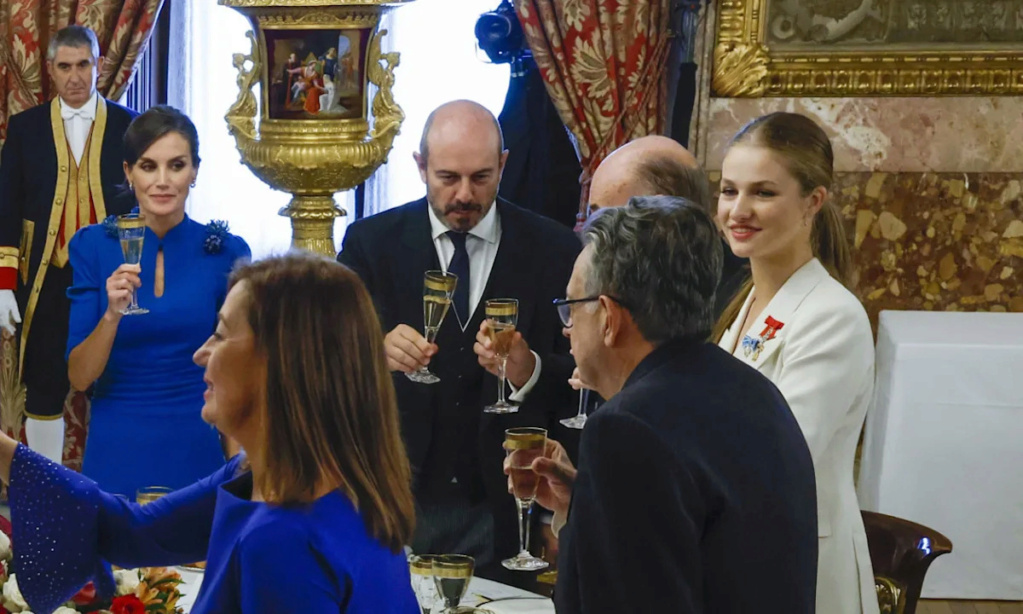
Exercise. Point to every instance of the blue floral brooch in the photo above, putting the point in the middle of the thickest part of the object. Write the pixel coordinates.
(216, 233)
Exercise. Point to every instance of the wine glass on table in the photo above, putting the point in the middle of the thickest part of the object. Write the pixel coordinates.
(438, 287)
(131, 230)
(423, 584)
(451, 574)
(502, 317)
(578, 421)
(523, 445)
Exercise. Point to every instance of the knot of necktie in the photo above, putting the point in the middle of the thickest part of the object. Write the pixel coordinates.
(459, 266)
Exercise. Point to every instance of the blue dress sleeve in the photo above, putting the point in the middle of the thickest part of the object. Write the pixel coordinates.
(87, 284)
(67, 531)
(282, 573)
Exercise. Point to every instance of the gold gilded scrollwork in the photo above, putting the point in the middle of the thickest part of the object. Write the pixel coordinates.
(240, 115)
(740, 70)
(889, 596)
(785, 48)
(387, 115)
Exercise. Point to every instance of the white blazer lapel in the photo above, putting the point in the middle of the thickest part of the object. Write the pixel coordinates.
(768, 333)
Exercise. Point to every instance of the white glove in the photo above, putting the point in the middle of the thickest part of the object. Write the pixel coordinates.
(9, 314)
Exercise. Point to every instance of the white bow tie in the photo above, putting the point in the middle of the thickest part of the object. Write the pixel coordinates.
(67, 113)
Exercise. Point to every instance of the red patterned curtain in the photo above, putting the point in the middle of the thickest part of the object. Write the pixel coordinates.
(604, 63)
(123, 28)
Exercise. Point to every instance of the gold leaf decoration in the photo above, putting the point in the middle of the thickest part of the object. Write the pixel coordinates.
(740, 70)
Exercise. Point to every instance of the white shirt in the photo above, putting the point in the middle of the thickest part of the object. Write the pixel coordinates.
(78, 123)
(481, 244)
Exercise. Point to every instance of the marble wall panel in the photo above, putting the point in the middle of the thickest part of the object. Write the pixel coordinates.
(934, 241)
(972, 135)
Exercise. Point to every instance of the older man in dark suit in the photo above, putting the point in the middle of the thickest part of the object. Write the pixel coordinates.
(695, 490)
(61, 169)
(498, 251)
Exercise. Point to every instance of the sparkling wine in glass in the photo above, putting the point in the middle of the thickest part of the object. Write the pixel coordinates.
(451, 574)
(131, 230)
(502, 316)
(522, 446)
(578, 421)
(423, 584)
(438, 287)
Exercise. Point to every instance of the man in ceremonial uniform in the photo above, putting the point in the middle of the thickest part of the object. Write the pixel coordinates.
(61, 168)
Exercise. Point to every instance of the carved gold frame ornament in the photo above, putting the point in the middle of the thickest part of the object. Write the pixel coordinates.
(745, 67)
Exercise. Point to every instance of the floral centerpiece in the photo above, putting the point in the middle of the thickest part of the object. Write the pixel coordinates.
(149, 590)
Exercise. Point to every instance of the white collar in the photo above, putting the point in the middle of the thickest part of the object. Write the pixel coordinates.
(86, 111)
(487, 229)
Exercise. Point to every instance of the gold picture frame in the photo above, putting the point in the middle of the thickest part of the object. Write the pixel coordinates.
(879, 48)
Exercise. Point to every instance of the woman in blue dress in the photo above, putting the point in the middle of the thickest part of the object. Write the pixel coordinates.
(144, 428)
(311, 518)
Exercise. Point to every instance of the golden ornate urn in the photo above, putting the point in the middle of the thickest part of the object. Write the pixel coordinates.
(313, 60)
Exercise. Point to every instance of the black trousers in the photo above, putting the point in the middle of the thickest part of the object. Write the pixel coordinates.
(45, 368)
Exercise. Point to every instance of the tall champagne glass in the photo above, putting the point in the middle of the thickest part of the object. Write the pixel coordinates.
(523, 445)
(502, 317)
(452, 573)
(131, 230)
(438, 287)
(578, 421)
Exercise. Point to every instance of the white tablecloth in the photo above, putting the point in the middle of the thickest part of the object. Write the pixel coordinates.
(498, 598)
(944, 443)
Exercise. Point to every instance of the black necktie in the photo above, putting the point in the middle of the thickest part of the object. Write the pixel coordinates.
(460, 266)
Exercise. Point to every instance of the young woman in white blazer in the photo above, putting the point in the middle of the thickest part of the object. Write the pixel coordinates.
(797, 324)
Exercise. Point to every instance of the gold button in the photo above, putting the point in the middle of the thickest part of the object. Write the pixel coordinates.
(63, 169)
(45, 262)
(53, 233)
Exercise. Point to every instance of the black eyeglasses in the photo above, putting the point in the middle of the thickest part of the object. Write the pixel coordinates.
(564, 306)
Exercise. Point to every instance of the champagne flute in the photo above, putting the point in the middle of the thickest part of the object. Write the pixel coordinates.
(131, 230)
(423, 583)
(522, 445)
(502, 317)
(451, 574)
(578, 421)
(438, 287)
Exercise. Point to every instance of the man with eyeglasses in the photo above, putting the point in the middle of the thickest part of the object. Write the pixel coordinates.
(695, 488)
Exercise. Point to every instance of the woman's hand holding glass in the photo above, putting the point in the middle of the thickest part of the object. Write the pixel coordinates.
(121, 286)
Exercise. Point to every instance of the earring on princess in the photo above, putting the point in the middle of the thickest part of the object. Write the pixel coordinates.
(193, 184)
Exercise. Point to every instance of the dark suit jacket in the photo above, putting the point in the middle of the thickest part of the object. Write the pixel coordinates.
(390, 251)
(695, 494)
(28, 175)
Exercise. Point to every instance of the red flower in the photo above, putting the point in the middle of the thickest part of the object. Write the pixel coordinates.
(128, 604)
(85, 596)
